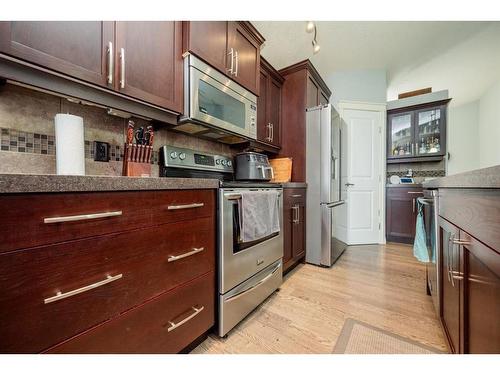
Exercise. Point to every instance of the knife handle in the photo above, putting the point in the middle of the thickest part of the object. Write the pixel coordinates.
(130, 131)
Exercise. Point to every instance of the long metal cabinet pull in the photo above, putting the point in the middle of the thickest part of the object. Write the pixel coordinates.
(236, 68)
(296, 195)
(272, 132)
(415, 192)
(230, 70)
(246, 291)
(184, 206)
(448, 257)
(413, 204)
(177, 325)
(111, 68)
(60, 295)
(196, 250)
(62, 219)
(122, 70)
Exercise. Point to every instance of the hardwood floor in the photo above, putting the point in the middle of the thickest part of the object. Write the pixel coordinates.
(381, 285)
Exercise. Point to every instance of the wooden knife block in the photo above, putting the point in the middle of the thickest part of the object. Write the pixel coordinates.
(137, 160)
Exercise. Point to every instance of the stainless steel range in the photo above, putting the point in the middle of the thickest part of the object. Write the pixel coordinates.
(248, 272)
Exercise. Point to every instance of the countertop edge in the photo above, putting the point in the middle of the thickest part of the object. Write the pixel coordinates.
(25, 183)
(485, 178)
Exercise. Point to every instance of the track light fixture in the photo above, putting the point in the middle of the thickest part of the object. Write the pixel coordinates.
(311, 27)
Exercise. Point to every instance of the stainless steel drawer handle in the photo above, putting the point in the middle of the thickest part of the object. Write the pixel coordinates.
(184, 206)
(296, 195)
(185, 320)
(60, 295)
(111, 68)
(122, 70)
(196, 250)
(415, 192)
(63, 219)
(461, 242)
(246, 291)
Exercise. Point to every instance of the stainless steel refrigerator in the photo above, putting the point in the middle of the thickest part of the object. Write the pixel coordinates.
(323, 176)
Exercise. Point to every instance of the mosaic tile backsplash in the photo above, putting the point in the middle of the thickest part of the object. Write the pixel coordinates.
(27, 139)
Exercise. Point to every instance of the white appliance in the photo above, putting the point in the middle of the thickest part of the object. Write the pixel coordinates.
(216, 107)
(323, 176)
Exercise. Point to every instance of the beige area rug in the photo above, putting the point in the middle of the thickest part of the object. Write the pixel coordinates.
(361, 338)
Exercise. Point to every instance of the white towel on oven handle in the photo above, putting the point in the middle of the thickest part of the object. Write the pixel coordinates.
(259, 214)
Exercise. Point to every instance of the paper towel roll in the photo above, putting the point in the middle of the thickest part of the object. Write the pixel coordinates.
(70, 145)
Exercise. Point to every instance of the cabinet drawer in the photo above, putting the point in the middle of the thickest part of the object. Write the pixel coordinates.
(29, 220)
(166, 324)
(410, 192)
(150, 261)
(294, 196)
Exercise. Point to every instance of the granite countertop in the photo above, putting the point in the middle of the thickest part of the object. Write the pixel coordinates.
(486, 178)
(25, 183)
(294, 185)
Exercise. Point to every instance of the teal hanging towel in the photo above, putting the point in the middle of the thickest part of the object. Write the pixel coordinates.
(419, 246)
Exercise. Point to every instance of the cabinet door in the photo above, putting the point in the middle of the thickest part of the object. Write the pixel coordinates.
(76, 48)
(288, 214)
(400, 135)
(274, 111)
(246, 57)
(312, 92)
(149, 62)
(430, 128)
(481, 309)
(450, 291)
(263, 131)
(299, 235)
(401, 215)
(207, 40)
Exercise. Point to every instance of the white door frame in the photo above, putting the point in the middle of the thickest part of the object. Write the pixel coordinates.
(382, 109)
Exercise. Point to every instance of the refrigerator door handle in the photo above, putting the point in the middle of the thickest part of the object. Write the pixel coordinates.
(335, 204)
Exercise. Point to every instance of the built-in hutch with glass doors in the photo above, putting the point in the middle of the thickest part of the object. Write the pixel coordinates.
(417, 133)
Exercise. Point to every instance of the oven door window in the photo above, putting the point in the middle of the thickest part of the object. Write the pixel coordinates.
(239, 245)
(218, 104)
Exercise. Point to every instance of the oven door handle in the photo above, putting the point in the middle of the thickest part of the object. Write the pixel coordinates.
(249, 289)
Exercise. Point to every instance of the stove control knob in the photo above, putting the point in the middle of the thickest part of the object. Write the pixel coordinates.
(173, 155)
(229, 163)
(217, 162)
(182, 156)
(224, 162)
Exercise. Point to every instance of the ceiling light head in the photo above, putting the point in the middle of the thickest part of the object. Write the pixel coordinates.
(316, 47)
(310, 26)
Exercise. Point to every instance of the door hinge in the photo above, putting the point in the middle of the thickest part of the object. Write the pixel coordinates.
(380, 130)
(379, 213)
(379, 226)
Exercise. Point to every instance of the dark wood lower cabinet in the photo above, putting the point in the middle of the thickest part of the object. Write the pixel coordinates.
(166, 324)
(294, 208)
(401, 213)
(470, 270)
(450, 287)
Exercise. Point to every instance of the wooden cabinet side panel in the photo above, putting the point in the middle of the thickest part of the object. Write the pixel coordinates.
(294, 123)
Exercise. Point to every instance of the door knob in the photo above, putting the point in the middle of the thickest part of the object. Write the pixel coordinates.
(348, 184)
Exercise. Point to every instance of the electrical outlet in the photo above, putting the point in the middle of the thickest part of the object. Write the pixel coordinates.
(101, 151)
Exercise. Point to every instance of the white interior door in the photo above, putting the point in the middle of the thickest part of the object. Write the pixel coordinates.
(363, 181)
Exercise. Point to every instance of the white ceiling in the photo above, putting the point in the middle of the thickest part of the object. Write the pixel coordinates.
(463, 57)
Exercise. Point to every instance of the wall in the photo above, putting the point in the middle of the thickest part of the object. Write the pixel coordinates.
(27, 143)
(358, 85)
(463, 138)
(489, 127)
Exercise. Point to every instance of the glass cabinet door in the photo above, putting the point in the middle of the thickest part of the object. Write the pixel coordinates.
(401, 137)
(428, 132)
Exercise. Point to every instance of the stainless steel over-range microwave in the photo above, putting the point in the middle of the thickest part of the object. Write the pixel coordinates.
(215, 106)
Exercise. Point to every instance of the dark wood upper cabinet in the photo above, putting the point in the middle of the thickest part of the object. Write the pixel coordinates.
(450, 286)
(301, 89)
(207, 40)
(269, 106)
(149, 62)
(231, 47)
(77, 48)
(401, 213)
(246, 49)
(417, 133)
